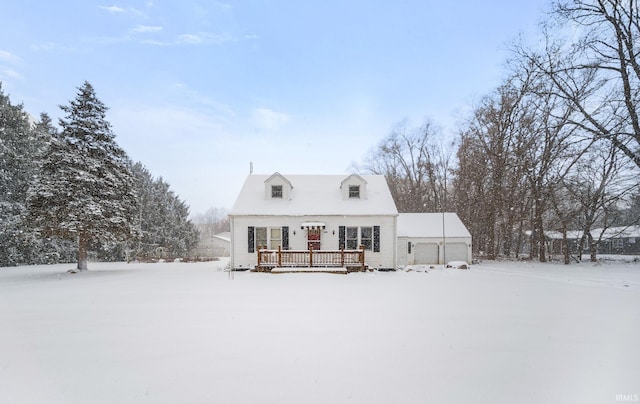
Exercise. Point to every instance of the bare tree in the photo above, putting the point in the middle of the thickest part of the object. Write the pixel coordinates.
(599, 72)
(488, 183)
(414, 164)
(598, 184)
(213, 221)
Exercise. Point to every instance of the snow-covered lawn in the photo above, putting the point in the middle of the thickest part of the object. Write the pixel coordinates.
(188, 333)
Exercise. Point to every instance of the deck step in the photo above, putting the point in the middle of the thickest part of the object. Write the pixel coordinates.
(326, 270)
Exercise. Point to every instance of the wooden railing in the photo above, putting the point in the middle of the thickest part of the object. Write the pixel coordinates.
(352, 260)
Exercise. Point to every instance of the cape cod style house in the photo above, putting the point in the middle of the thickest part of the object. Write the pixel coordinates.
(314, 221)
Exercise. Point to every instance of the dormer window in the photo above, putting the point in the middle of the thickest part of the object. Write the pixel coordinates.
(277, 187)
(353, 187)
(276, 191)
(354, 191)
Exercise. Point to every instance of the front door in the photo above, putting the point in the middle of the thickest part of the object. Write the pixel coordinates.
(313, 239)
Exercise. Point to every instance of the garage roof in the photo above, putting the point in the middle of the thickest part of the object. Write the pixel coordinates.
(431, 225)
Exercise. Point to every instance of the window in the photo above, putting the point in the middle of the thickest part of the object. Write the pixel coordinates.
(354, 191)
(276, 191)
(276, 237)
(268, 237)
(261, 237)
(366, 238)
(352, 238)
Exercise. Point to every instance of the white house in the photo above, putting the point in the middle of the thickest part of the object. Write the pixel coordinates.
(432, 238)
(314, 212)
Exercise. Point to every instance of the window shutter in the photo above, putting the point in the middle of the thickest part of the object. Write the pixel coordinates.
(251, 239)
(341, 236)
(376, 238)
(409, 247)
(285, 237)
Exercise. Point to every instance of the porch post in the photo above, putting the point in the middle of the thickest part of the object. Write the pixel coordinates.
(259, 256)
(279, 256)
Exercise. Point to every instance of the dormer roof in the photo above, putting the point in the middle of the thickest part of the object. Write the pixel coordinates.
(354, 181)
(353, 178)
(277, 175)
(277, 186)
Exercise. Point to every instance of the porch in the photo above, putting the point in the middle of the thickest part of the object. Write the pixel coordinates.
(334, 261)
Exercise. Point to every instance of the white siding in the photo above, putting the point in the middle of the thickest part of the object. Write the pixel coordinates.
(386, 258)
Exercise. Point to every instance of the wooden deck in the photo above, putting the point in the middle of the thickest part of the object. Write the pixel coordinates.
(334, 261)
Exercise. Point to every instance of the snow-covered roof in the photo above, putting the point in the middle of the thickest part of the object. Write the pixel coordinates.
(619, 232)
(431, 225)
(226, 236)
(314, 195)
(599, 233)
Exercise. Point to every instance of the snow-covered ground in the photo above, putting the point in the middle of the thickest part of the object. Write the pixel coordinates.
(191, 333)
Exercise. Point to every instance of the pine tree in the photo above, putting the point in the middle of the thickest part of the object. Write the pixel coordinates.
(163, 219)
(15, 173)
(85, 190)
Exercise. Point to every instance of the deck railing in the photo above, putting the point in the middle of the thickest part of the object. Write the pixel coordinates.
(352, 260)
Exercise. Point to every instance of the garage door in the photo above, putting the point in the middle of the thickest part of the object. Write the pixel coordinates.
(426, 253)
(456, 252)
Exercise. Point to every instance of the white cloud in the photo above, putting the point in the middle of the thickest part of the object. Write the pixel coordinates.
(9, 57)
(190, 38)
(130, 11)
(265, 119)
(147, 28)
(50, 47)
(9, 73)
(113, 9)
(203, 38)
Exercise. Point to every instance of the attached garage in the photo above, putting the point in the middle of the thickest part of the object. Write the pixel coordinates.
(432, 239)
(425, 253)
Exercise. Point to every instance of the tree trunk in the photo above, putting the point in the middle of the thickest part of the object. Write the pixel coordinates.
(539, 239)
(581, 246)
(82, 251)
(565, 245)
(491, 235)
(593, 249)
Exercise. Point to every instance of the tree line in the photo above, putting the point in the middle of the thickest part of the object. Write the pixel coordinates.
(555, 147)
(70, 193)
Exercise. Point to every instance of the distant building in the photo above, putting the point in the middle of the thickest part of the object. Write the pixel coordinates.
(612, 240)
(221, 244)
(212, 245)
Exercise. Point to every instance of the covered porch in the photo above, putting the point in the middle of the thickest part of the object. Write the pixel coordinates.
(334, 261)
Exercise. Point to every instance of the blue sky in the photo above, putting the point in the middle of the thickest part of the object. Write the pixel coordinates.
(198, 89)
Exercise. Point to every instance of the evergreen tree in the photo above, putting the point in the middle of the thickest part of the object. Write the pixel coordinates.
(85, 190)
(15, 172)
(44, 250)
(163, 219)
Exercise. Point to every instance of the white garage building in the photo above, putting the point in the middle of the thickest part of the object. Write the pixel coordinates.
(432, 238)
